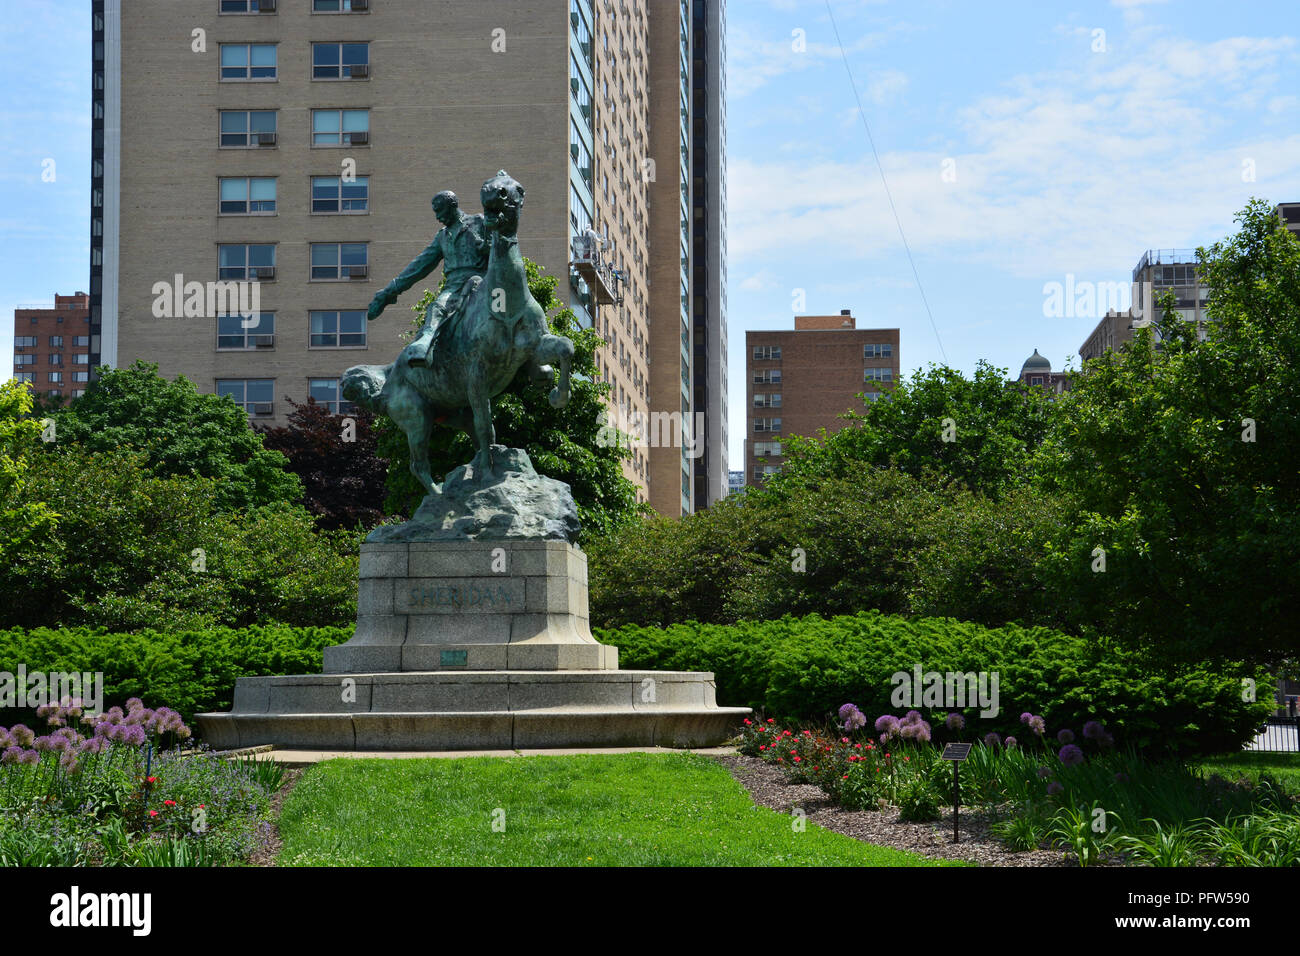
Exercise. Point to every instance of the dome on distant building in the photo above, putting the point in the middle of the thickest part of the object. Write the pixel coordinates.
(1035, 363)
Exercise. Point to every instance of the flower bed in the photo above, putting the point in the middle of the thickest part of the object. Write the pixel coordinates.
(118, 795)
(1077, 793)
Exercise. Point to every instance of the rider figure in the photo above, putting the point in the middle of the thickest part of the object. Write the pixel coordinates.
(462, 248)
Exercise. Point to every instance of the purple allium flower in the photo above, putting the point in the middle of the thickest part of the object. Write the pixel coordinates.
(133, 736)
(1038, 725)
(45, 710)
(29, 757)
(42, 743)
(1026, 717)
(69, 762)
(922, 733)
(1011, 741)
(5, 739)
(912, 715)
(134, 703)
(1070, 755)
(1093, 730)
(11, 754)
(1065, 736)
(887, 724)
(22, 735)
(115, 714)
(955, 722)
(1044, 772)
(850, 716)
(1054, 788)
(991, 739)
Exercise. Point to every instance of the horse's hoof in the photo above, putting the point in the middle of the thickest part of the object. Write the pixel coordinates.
(559, 398)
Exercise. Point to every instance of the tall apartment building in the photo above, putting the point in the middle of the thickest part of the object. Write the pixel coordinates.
(1157, 272)
(296, 144)
(52, 346)
(800, 381)
(1289, 213)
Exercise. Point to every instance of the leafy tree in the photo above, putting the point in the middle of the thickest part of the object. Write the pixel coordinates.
(982, 431)
(21, 518)
(335, 458)
(568, 444)
(1182, 460)
(131, 550)
(180, 432)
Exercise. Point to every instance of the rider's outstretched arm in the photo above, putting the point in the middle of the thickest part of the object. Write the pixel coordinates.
(419, 267)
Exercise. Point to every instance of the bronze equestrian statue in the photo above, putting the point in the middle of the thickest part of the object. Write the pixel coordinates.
(465, 356)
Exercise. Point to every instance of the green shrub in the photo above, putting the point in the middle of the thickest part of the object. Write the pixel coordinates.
(918, 801)
(805, 668)
(195, 671)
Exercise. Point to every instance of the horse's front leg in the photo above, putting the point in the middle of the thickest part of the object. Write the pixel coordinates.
(558, 351)
(480, 405)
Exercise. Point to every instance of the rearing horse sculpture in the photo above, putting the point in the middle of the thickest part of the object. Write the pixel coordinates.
(500, 329)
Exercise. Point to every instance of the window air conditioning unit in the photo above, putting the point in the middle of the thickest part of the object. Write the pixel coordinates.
(265, 139)
(359, 71)
(262, 341)
(264, 408)
(359, 5)
(358, 272)
(361, 138)
(265, 6)
(263, 272)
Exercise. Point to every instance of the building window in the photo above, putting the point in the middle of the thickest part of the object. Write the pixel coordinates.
(80, 358)
(54, 378)
(326, 391)
(247, 128)
(246, 262)
(333, 194)
(339, 260)
(1035, 380)
(767, 449)
(338, 6)
(24, 359)
(877, 350)
(579, 153)
(24, 341)
(762, 400)
(340, 127)
(247, 196)
(78, 392)
(767, 424)
(27, 377)
(56, 358)
(766, 353)
(239, 6)
(56, 341)
(232, 333)
(81, 341)
(80, 377)
(253, 395)
(767, 375)
(248, 61)
(578, 88)
(877, 375)
(54, 393)
(339, 61)
(331, 330)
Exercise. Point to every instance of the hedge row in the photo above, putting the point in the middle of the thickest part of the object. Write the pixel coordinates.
(792, 668)
(805, 668)
(189, 671)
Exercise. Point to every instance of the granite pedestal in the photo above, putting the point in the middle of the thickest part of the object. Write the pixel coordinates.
(473, 645)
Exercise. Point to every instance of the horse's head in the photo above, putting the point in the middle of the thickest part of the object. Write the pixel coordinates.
(363, 384)
(502, 196)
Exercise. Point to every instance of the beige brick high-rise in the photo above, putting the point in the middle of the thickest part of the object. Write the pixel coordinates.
(298, 143)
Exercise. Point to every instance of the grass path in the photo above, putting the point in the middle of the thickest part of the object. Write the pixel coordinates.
(590, 810)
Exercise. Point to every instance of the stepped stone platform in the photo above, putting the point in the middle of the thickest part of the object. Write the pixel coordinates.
(473, 645)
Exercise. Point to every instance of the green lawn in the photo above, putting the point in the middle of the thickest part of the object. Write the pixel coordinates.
(1284, 766)
(591, 810)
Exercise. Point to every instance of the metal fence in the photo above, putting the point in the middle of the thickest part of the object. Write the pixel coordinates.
(1280, 735)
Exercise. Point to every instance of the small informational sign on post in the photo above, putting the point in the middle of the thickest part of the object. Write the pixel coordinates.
(956, 753)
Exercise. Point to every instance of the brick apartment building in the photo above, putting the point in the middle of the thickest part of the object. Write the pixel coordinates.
(228, 163)
(52, 346)
(802, 380)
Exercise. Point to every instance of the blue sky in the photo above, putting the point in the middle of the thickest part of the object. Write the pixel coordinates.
(1067, 159)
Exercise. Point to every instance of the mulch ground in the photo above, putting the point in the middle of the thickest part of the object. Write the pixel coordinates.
(769, 788)
(271, 848)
